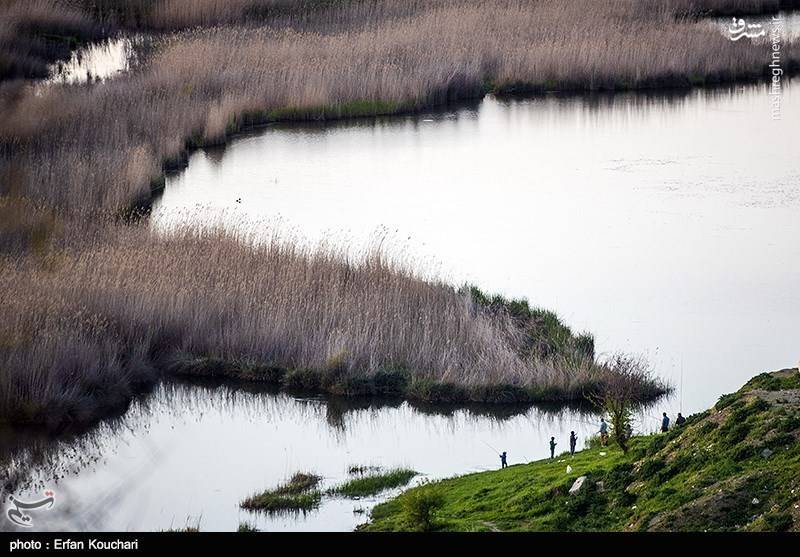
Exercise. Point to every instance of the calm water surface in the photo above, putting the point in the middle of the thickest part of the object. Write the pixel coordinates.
(97, 61)
(667, 225)
(188, 454)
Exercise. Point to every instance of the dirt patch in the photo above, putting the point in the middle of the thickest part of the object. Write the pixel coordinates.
(789, 396)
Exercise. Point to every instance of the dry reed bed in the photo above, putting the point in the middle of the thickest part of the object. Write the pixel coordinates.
(86, 317)
(89, 148)
(80, 328)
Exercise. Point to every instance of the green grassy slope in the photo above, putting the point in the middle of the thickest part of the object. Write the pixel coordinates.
(733, 467)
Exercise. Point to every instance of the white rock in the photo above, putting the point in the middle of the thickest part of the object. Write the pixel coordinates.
(577, 486)
(766, 453)
(569, 469)
(756, 501)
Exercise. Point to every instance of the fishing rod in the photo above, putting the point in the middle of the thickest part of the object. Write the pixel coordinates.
(488, 445)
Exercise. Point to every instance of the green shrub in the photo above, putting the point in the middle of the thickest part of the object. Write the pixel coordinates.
(419, 506)
(726, 400)
(707, 428)
(651, 467)
(778, 521)
(743, 452)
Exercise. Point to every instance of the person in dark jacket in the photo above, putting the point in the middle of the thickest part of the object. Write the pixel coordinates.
(665, 423)
(573, 439)
(503, 463)
(680, 420)
(553, 448)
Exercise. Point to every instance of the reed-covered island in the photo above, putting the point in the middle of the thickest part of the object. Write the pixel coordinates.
(94, 305)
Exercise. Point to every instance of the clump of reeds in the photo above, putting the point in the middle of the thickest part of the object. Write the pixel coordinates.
(374, 482)
(85, 324)
(299, 493)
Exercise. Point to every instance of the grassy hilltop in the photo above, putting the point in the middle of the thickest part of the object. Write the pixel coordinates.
(733, 467)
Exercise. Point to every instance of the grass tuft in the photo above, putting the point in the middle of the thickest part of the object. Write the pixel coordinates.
(298, 494)
(374, 483)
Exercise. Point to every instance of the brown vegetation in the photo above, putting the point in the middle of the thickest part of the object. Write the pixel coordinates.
(82, 325)
(91, 308)
(84, 149)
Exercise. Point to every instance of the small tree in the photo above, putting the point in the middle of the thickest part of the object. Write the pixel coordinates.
(621, 394)
(419, 505)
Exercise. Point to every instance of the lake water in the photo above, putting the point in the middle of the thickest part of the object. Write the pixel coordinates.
(667, 225)
(189, 453)
(97, 61)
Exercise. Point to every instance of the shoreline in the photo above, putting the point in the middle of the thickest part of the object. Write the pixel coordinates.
(666, 481)
(461, 90)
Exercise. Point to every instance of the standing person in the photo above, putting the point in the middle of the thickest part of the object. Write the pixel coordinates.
(503, 463)
(553, 448)
(680, 420)
(665, 423)
(603, 432)
(573, 439)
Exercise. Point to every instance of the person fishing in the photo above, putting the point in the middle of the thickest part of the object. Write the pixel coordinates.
(573, 439)
(603, 432)
(503, 463)
(665, 423)
(680, 420)
(553, 448)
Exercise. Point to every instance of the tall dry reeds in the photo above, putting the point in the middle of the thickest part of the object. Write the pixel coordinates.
(90, 309)
(82, 325)
(99, 147)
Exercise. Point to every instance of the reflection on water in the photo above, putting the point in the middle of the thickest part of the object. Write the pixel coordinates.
(189, 453)
(666, 224)
(96, 61)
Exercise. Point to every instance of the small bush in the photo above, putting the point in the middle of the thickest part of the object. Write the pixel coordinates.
(743, 452)
(419, 507)
(778, 521)
(726, 400)
(247, 527)
(651, 467)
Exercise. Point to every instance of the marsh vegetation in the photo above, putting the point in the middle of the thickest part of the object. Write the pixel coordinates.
(95, 308)
(298, 494)
(372, 483)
